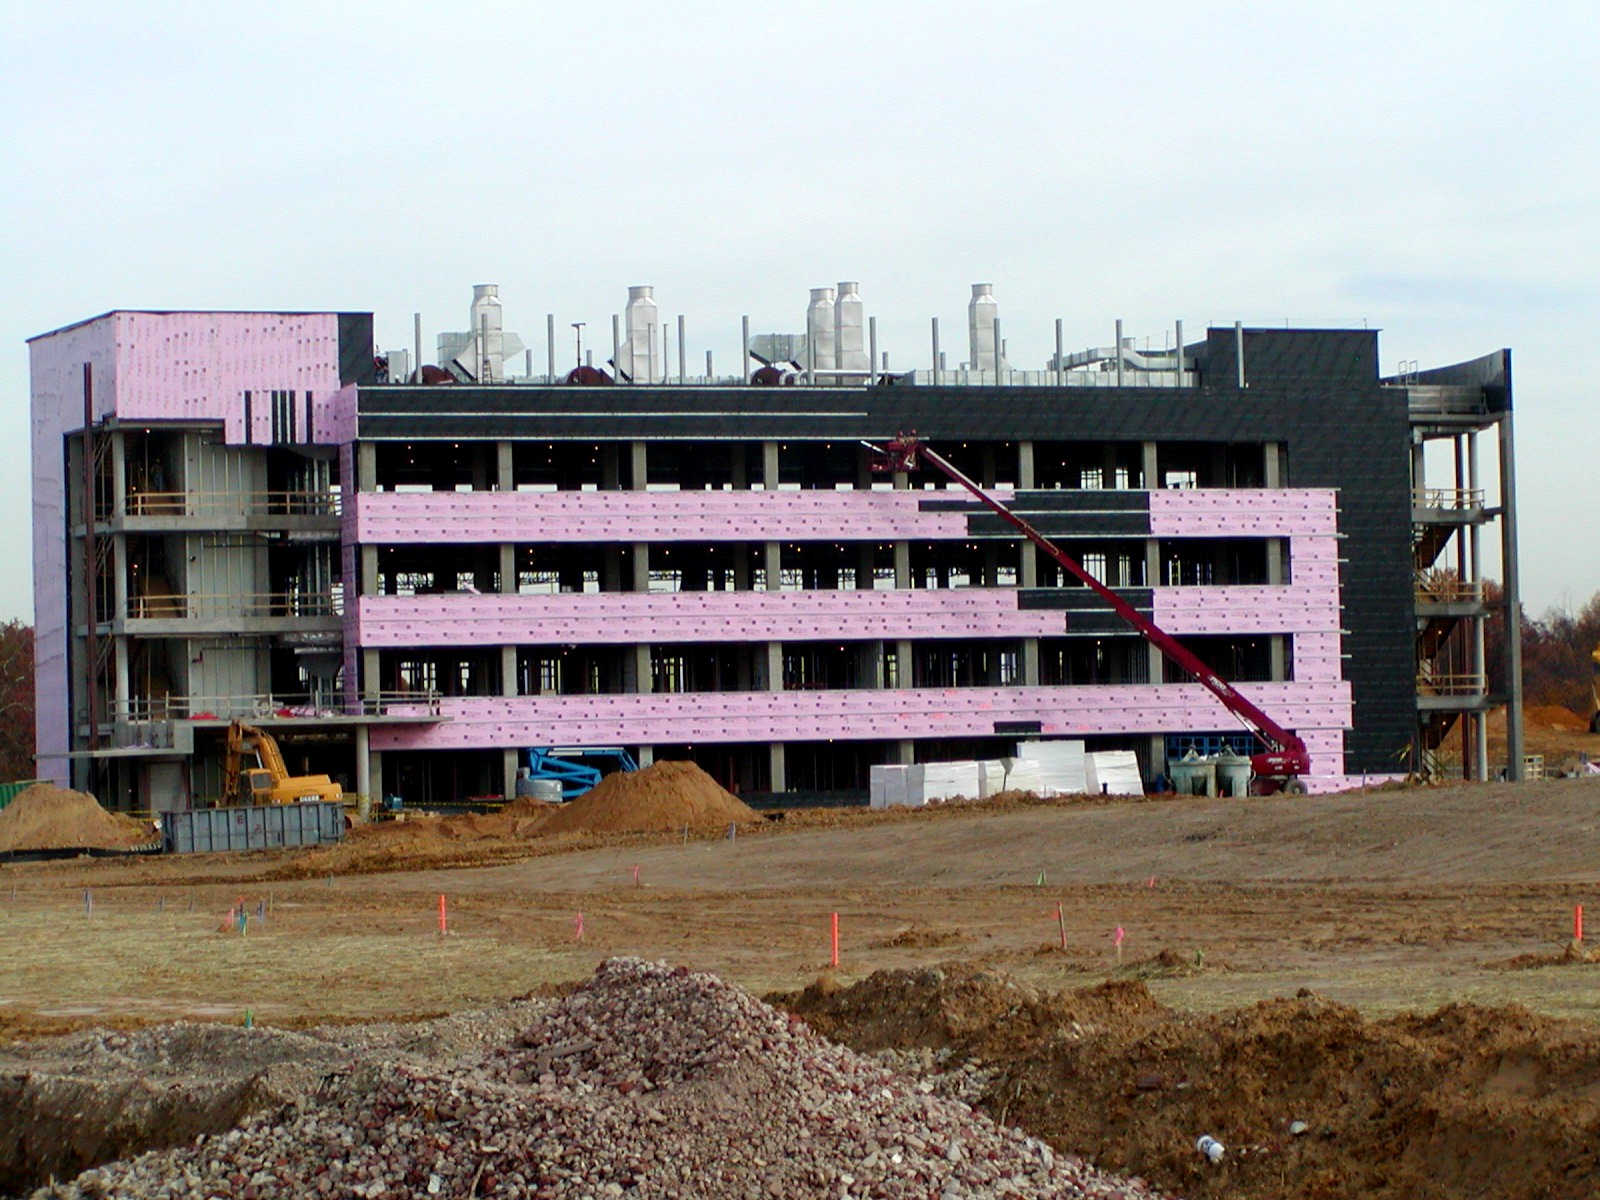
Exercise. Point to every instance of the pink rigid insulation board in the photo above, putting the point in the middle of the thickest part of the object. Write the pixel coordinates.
(198, 365)
(335, 417)
(490, 722)
(57, 407)
(1243, 512)
(629, 617)
(1276, 609)
(694, 516)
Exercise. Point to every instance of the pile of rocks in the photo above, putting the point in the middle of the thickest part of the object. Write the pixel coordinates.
(647, 1081)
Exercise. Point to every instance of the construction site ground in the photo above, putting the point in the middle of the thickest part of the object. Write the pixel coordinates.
(1304, 939)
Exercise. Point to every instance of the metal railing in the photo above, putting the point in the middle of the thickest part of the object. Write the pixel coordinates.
(1440, 588)
(202, 606)
(1454, 499)
(228, 504)
(1461, 684)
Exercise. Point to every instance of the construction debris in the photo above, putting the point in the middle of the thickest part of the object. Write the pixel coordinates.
(648, 1081)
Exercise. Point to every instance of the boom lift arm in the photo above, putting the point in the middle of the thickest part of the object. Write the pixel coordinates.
(1286, 757)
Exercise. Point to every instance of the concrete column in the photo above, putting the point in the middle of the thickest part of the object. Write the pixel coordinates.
(1028, 553)
(641, 566)
(508, 671)
(119, 478)
(775, 756)
(1108, 467)
(1272, 465)
(369, 570)
(610, 468)
(774, 667)
(1030, 662)
(508, 772)
(119, 701)
(1152, 562)
(902, 565)
(642, 672)
(508, 569)
(772, 563)
(1149, 467)
(638, 466)
(363, 763)
(1158, 755)
(504, 477)
(904, 666)
(1155, 664)
(1277, 652)
(769, 466)
(1275, 554)
(739, 468)
(864, 569)
(987, 474)
(1480, 746)
(646, 756)
(370, 679)
(741, 568)
(366, 467)
(905, 752)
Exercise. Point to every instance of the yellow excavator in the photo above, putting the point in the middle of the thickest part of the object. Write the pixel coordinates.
(268, 781)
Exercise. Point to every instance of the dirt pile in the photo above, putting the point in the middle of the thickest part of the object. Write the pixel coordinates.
(47, 817)
(1312, 1101)
(1554, 716)
(646, 1081)
(661, 798)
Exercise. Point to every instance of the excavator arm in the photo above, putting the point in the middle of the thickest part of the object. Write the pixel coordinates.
(1285, 758)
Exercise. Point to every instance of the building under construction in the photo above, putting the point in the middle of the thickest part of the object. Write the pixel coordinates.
(411, 575)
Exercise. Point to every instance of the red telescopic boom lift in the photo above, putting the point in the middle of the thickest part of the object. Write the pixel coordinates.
(1285, 759)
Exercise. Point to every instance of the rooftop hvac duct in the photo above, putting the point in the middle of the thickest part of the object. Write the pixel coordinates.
(982, 312)
(850, 332)
(486, 327)
(819, 330)
(640, 357)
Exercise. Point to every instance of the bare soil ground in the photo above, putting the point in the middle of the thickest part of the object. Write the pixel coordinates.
(1280, 960)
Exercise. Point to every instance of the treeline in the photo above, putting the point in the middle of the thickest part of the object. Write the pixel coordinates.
(1557, 656)
(16, 701)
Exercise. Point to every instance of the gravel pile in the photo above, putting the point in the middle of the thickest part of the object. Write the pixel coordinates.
(647, 1081)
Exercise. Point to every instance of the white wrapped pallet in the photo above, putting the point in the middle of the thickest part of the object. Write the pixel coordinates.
(991, 777)
(1025, 775)
(887, 785)
(1062, 764)
(1114, 773)
(949, 780)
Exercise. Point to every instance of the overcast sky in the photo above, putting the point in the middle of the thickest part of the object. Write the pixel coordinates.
(1430, 169)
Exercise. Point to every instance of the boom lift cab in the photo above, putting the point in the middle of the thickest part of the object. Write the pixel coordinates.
(1278, 768)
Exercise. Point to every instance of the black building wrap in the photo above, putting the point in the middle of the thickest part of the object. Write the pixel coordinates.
(1315, 391)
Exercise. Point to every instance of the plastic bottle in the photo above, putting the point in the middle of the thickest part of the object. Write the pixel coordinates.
(1210, 1147)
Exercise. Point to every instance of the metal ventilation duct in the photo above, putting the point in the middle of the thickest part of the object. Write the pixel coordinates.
(850, 332)
(640, 357)
(982, 312)
(819, 330)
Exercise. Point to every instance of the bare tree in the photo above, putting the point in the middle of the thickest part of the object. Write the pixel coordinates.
(16, 701)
